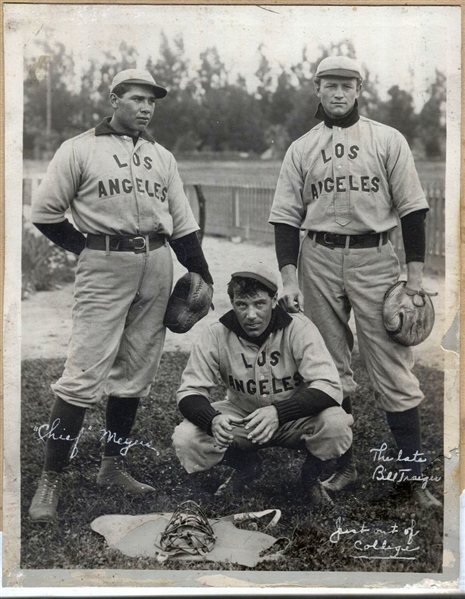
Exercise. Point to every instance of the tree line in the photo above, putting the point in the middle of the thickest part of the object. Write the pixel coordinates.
(208, 112)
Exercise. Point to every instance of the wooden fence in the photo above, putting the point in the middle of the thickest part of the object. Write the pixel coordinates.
(243, 211)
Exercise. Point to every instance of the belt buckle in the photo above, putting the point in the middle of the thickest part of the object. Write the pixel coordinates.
(330, 243)
(139, 248)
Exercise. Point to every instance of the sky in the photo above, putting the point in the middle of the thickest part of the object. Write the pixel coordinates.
(399, 45)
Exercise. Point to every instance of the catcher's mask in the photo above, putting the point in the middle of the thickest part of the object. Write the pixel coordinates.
(408, 319)
(188, 531)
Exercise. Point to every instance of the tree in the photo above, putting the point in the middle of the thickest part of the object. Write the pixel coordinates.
(432, 119)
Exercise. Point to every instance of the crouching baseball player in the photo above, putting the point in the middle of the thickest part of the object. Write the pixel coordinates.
(128, 202)
(283, 389)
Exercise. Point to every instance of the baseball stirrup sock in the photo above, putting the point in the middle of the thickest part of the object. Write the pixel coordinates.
(311, 468)
(406, 429)
(120, 416)
(64, 428)
(346, 460)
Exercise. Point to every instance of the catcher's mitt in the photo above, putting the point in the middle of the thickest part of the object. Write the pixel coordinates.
(188, 531)
(189, 302)
(408, 319)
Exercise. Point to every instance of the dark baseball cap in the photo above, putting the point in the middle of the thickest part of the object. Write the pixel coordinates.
(338, 66)
(138, 77)
(261, 273)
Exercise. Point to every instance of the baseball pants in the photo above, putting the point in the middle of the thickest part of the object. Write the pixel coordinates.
(336, 281)
(117, 332)
(327, 435)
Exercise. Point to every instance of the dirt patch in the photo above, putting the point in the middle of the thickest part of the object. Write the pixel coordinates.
(46, 316)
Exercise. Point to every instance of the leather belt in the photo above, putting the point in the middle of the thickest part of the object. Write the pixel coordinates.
(334, 240)
(125, 243)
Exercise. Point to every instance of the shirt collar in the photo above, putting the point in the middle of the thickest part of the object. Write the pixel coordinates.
(279, 320)
(346, 121)
(105, 128)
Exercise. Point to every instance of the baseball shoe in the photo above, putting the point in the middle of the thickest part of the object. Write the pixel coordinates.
(341, 479)
(424, 498)
(242, 476)
(317, 496)
(112, 472)
(45, 501)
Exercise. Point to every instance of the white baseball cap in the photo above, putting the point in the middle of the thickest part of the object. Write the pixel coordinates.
(141, 78)
(261, 273)
(338, 66)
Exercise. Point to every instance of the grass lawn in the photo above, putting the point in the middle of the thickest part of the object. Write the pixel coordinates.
(70, 543)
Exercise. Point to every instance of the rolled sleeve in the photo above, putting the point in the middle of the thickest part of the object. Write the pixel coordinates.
(288, 207)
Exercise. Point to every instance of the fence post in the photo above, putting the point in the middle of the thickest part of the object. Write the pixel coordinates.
(202, 211)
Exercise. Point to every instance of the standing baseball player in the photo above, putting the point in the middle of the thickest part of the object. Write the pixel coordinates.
(127, 201)
(283, 389)
(344, 183)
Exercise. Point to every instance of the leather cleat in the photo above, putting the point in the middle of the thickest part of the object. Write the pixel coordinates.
(45, 501)
(424, 498)
(112, 472)
(317, 497)
(241, 477)
(341, 479)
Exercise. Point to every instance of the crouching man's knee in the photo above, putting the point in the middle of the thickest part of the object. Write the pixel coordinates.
(330, 434)
(194, 448)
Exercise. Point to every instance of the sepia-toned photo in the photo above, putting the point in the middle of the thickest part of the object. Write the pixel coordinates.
(231, 296)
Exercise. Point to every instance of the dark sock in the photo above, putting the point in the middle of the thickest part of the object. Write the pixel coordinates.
(239, 459)
(120, 415)
(311, 469)
(346, 458)
(65, 421)
(406, 429)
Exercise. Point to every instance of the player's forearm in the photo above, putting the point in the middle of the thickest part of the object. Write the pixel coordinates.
(198, 410)
(190, 254)
(415, 275)
(64, 235)
(413, 235)
(306, 403)
(287, 242)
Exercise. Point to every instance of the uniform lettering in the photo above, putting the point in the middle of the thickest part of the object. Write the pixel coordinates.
(136, 159)
(126, 185)
(157, 187)
(353, 152)
(364, 181)
(375, 184)
(352, 185)
(120, 164)
(275, 387)
(239, 385)
(274, 358)
(262, 385)
(329, 185)
(148, 163)
(261, 359)
(251, 387)
(140, 187)
(339, 150)
(148, 190)
(325, 158)
(163, 194)
(314, 192)
(286, 385)
(298, 379)
(101, 189)
(246, 364)
(113, 185)
(231, 381)
(339, 184)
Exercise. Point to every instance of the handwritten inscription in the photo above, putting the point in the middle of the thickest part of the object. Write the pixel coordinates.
(392, 541)
(389, 470)
(46, 431)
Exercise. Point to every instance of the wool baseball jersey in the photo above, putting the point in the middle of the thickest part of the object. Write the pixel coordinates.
(293, 357)
(350, 180)
(114, 187)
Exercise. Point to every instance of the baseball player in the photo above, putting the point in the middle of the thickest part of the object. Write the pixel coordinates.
(344, 183)
(127, 201)
(283, 389)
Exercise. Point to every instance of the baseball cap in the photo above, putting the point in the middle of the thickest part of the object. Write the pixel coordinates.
(140, 77)
(338, 66)
(261, 273)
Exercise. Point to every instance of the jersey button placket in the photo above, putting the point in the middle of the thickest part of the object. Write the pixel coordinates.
(341, 171)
